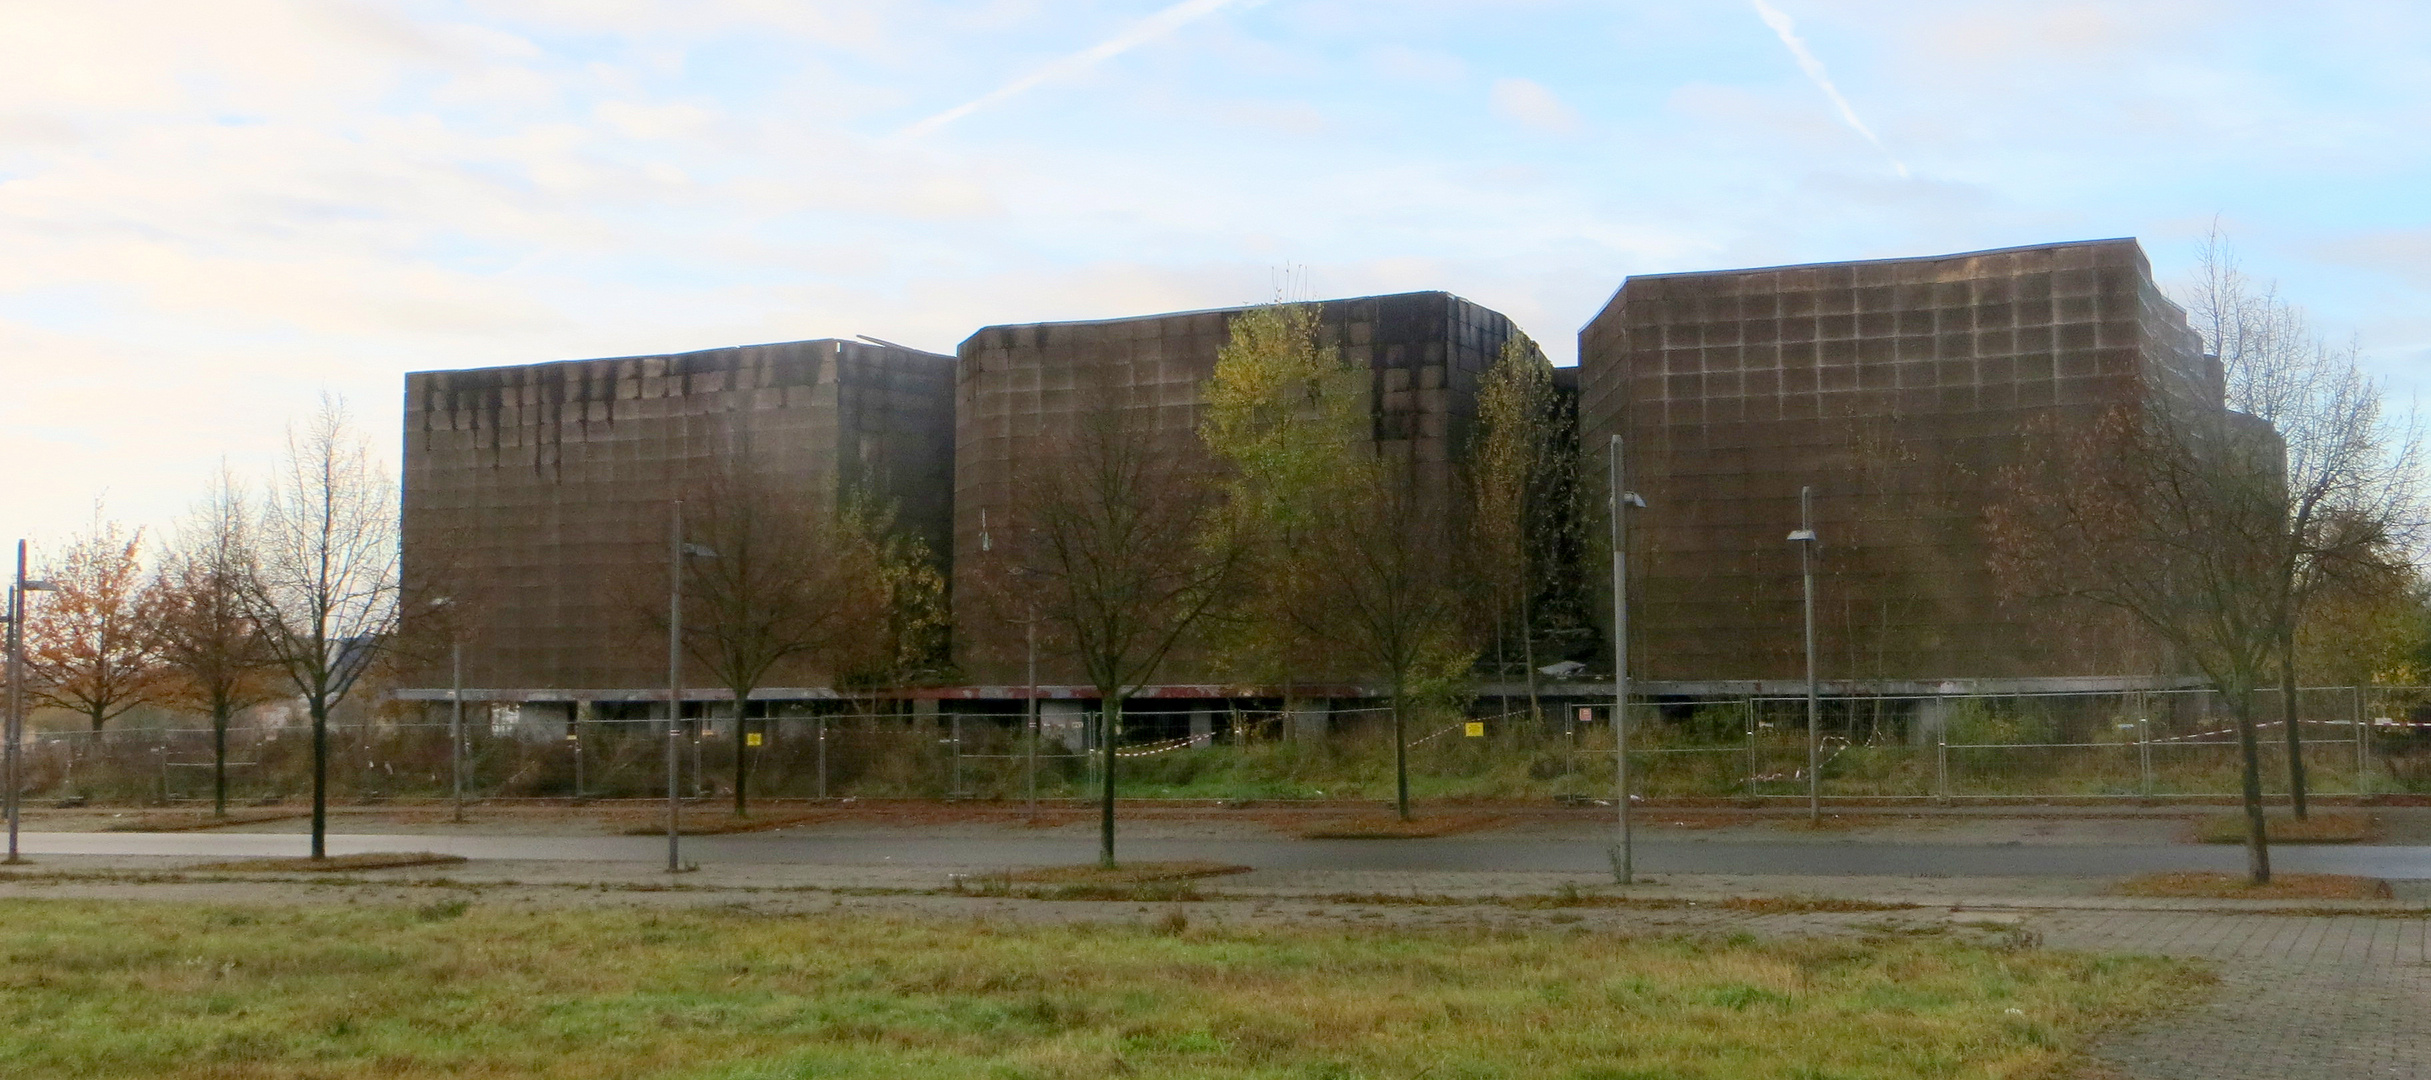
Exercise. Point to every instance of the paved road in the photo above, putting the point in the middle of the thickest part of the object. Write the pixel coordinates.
(1822, 858)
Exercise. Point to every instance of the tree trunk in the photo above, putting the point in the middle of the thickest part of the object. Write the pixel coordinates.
(1527, 656)
(1401, 756)
(1109, 732)
(319, 708)
(2295, 728)
(219, 760)
(742, 752)
(2257, 841)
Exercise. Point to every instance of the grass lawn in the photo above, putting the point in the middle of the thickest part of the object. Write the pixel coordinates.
(129, 988)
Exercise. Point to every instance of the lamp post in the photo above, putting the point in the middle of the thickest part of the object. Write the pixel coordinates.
(677, 549)
(1806, 541)
(14, 729)
(455, 709)
(1623, 855)
(1031, 626)
(455, 727)
(1031, 721)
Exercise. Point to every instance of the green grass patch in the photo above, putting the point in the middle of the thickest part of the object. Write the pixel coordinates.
(1392, 828)
(370, 860)
(2216, 886)
(2316, 828)
(196, 821)
(118, 988)
(1142, 881)
(714, 823)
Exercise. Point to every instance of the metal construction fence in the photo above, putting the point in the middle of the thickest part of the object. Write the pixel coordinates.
(2132, 745)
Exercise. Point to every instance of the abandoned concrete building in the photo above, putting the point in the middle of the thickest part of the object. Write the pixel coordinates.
(544, 490)
(1017, 386)
(1898, 389)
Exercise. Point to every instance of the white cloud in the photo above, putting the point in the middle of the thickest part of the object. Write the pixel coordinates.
(1787, 30)
(215, 211)
(1529, 103)
(1146, 30)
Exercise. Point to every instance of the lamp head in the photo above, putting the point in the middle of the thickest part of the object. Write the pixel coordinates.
(1803, 536)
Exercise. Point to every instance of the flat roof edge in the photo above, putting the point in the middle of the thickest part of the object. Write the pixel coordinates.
(1224, 310)
(1877, 262)
(863, 343)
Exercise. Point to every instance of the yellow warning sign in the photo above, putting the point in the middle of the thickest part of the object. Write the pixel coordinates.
(752, 739)
(1477, 729)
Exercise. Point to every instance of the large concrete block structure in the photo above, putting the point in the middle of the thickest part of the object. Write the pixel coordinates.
(1898, 389)
(545, 488)
(1017, 385)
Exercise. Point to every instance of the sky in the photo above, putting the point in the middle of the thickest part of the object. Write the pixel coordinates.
(212, 215)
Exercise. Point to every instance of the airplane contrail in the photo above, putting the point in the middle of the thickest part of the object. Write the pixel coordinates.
(1141, 33)
(1784, 26)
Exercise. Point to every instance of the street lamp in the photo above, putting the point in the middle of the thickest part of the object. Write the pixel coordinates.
(1029, 623)
(14, 729)
(455, 711)
(677, 549)
(1622, 499)
(1807, 541)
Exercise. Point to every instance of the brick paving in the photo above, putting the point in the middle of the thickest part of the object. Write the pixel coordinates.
(2301, 997)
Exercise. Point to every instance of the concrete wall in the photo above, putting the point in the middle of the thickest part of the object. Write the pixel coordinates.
(1898, 389)
(1017, 386)
(543, 490)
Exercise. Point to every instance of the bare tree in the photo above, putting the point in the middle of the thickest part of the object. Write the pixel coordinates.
(1122, 540)
(2172, 513)
(323, 587)
(785, 582)
(213, 651)
(2352, 474)
(90, 650)
(1386, 566)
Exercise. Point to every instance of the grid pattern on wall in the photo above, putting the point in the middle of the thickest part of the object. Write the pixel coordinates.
(1018, 385)
(544, 489)
(1898, 389)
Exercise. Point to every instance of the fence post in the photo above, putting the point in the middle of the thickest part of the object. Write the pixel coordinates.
(1941, 763)
(161, 754)
(1750, 705)
(2144, 748)
(956, 790)
(2363, 761)
(820, 723)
